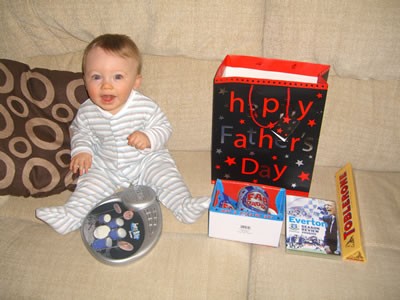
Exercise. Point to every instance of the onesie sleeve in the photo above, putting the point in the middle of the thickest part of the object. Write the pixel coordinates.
(158, 129)
(81, 140)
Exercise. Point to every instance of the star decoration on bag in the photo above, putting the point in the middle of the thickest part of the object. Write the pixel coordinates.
(222, 91)
(230, 160)
(311, 123)
(304, 176)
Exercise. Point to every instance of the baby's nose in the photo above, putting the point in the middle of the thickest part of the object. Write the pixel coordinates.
(107, 86)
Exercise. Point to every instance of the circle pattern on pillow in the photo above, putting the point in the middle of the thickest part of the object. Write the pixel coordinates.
(37, 107)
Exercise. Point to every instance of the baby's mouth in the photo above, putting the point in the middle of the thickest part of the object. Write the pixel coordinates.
(106, 99)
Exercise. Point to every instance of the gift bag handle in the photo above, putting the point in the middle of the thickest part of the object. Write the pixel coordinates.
(270, 126)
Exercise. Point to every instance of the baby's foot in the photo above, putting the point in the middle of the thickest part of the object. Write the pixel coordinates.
(192, 209)
(58, 218)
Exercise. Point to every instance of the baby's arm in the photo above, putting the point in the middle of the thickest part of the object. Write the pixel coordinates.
(81, 145)
(81, 140)
(155, 133)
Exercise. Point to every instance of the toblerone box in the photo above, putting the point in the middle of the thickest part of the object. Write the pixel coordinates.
(350, 235)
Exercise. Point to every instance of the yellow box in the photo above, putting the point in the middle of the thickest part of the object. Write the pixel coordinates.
(350, 235)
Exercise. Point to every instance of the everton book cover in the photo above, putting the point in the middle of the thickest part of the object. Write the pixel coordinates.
(311, 226)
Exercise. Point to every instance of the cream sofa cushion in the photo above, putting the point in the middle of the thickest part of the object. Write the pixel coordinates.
(360, 39)
(361, 125)
(310, 277)
(158, 27)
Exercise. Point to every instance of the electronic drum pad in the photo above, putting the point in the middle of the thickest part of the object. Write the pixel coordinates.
(123, 227)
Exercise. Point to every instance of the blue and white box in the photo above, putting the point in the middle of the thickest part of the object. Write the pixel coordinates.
(247, 212)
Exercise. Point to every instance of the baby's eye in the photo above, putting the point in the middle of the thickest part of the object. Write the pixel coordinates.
(96, 77)
(118, 76)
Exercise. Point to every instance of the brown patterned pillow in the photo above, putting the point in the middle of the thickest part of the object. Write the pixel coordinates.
(36, 108)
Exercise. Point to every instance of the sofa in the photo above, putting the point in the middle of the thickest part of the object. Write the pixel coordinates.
(183, 43)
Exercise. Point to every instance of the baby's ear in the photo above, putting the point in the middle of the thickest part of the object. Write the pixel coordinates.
(138, 82)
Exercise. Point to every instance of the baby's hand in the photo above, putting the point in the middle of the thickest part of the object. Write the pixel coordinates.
(139, 140)
(82, 162)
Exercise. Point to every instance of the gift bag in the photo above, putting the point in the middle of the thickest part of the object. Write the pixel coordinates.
(267, 116)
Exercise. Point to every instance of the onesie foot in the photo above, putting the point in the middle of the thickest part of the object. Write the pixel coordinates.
(192, 209)
(58, 218)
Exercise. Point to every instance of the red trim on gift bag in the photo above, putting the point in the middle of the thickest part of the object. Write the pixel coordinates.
(272, 82)
(273, 65)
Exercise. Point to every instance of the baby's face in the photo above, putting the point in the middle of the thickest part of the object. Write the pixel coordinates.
(110, 78)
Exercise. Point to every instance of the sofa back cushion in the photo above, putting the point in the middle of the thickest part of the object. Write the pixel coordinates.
(197, 29)
(359, 39)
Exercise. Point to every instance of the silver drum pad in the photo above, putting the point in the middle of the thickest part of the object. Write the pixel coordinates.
(123, 227)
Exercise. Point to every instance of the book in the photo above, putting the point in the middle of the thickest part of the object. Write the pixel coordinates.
(311, 226)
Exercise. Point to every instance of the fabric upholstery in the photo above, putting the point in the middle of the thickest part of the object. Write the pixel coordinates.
(36, 108)
(183, 43)
(359, 38)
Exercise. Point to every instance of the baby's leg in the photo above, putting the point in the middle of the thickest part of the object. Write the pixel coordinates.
(162, 175)
(91, 189)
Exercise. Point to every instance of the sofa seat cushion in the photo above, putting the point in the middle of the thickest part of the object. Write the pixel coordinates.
(186, 260)
(379, 207)
(38, 263)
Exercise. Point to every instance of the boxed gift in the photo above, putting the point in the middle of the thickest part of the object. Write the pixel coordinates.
(245, 212)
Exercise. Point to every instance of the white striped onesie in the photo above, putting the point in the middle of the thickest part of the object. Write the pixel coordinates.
(116, 164)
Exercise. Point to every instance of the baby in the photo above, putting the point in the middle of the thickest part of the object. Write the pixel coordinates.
(118, 139)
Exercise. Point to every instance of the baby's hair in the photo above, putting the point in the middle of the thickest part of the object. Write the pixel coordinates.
(119, 44)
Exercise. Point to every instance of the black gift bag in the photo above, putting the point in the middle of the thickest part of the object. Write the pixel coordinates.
(267, 116)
